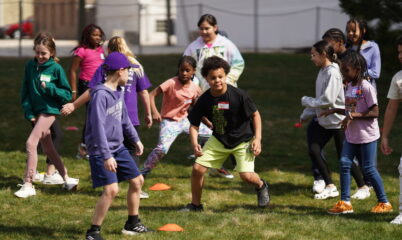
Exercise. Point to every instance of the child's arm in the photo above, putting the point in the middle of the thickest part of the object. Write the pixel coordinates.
(328, 112)
(155, 113)
(130, 132)
(389, 117)
(194, 140)
(147, 106)
(73, 75)
(375, 68)
(256, 143)
(60, 89)
(70, 107)
(236, 65)
(371, 113)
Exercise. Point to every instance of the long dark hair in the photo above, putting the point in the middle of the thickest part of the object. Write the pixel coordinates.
(334, 34)
(364, 32)
(209, 18)
(356, 61)
(324, 47)
(86, 34)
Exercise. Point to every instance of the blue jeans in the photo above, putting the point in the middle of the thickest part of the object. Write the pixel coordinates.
(367, 154)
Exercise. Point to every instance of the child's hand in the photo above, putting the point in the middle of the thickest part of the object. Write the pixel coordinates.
(256, 147)
(43, 84)
(148, 120)
(198, 150)
(139, 148)
(33, 120)
(110, 164)
(326, 113)
(345, 122)
(207, 123)
(385, 148)
(156, 117)
(67, 109)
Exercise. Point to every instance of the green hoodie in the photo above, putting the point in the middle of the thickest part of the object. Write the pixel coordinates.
(35, 98)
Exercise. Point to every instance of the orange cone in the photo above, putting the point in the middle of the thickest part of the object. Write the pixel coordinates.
(171, 227)
(160, 187)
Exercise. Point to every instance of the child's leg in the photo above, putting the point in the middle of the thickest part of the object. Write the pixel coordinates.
(346, 160)
(367, 155)
(252, 178)
(197, 183)
(169, 130)
(57, 135)
(40, 130)
(133, 195)
(316, 172)
(102, 206)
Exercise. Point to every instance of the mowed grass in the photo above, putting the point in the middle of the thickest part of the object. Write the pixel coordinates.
(276, 82)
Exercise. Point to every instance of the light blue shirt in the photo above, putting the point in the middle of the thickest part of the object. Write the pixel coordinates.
(371, 52)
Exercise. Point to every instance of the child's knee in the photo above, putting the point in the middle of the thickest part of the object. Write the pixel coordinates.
(111, 191)
(136, 183)
(198, 170)
(246, 176)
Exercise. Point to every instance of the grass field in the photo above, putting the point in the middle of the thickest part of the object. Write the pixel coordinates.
(276, 82)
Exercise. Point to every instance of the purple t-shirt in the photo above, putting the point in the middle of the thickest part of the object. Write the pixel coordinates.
(134, 84)
(360, 99)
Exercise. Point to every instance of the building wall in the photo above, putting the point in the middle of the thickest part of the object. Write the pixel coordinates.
(9, 11)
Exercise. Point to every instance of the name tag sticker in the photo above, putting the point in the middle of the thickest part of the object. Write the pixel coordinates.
(188, 101)
(223, 105)
(45, 78)
(102, 56)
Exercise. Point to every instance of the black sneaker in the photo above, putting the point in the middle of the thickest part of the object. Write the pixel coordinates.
(263, 195)
(138, 228)
(93, 235)
(192, 208)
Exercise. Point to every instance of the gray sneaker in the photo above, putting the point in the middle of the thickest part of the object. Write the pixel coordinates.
(192, 208)
(263, 195)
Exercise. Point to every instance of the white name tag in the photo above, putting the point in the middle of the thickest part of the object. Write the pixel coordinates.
(223, 105)
(45, 78)
(188, 101)
(102, 56)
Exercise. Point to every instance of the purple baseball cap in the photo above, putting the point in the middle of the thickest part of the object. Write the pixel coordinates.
(115, 61)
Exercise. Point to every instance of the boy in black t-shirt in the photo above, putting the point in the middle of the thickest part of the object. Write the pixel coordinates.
(236, 126)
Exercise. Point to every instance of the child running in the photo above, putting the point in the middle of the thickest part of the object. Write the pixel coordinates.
(236, 130)
(395, 97)
(179, 93)
(362, 133)
(88, 56)
(44, 89)
(110, 161)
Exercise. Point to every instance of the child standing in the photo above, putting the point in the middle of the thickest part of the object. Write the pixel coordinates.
(179, 93)
(395, 97)
(110, 161)
(236, 130)
(88, 56)
(362, 133)
(44, 89)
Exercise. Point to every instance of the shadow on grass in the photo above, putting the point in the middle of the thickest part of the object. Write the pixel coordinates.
(33, 232)
(10, 181)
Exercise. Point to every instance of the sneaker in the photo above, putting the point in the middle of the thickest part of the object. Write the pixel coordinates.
(135, 229)
(82, 152)
(94, 235)
(145, 171)
(263, 195)
(55, 178)
(361, 193)
(341, 207)
(213, 172)
(328, 192)
(143, 195)
(382, 208)
(192, 208)
(38, 177)
(318, 186)
(71, 184)
(397, 220)
(25, 191)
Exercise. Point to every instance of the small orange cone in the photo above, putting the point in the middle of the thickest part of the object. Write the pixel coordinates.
(171, 227)
(160, 187)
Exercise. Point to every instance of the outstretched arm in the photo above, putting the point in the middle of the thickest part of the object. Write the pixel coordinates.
(389, 118)
(256, 143)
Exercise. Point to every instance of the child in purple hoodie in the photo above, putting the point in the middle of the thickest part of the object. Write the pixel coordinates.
(110, 161)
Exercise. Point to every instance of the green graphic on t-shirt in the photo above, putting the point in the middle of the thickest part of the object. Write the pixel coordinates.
(218, 120)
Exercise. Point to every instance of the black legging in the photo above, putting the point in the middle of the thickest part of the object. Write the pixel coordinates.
(82, 87)
(318, 138)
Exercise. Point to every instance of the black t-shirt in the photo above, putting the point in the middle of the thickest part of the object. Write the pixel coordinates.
(230, 115)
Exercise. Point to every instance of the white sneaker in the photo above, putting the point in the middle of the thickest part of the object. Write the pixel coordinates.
(71, 184)
(55, 178)
(25, 191)
(328, 192)
(318, 186)
(397, 220)
(361, 193)
(143, 195)
(38, 177)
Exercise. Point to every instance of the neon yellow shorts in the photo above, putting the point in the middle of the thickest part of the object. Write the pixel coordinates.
(215, 154)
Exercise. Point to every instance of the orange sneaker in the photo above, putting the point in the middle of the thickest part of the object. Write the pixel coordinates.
(382, 208)
(341, 207)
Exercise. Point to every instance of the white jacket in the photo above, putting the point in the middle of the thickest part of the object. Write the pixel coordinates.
(329, 94)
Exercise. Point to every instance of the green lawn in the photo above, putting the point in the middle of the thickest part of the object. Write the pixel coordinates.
(276, 82)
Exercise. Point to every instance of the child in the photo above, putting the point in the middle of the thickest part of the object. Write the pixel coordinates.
(362, 133)
(110, 161)
(179, 93)
(236, 130)
(88, 56)
(358, 35)
(44, 89)
(395, 96)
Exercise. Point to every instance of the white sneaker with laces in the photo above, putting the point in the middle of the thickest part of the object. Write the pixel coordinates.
(329, 192)
(361, 193)
(143, 195)
(397, 220)
(318, 186)
(71, 184)
(25, 191)
(38, 177)
(55, 178)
